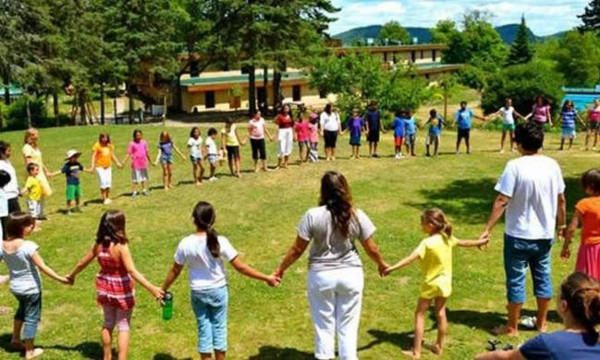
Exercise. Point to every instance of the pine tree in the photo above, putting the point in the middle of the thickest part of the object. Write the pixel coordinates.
(520, 51)
(591, 17)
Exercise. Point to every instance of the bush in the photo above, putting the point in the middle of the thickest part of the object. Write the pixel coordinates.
(16, 115)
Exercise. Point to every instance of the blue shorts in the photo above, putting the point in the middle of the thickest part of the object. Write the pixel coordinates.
(195, 159)
(210, 308)
(520, 254)
(355, 140)
(29, 312)
(166, 159)
(568, 133)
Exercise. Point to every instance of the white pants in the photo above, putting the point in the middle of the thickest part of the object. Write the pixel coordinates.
(36, 208)
(286, 142)
(104, 177)
(335, 298)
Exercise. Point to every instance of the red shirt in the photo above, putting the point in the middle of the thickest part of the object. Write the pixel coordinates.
(303, 130)
(284, 121)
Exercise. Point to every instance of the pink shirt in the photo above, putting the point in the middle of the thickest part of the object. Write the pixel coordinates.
(540, 113)
(303, 131)
(314, 133)
(595, 115)
(257, 129)
(139, 155)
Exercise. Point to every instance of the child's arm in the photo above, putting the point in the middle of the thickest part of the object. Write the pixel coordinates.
(250, 272)
(493, 115)
(242, 142)
(125, 256)
(519, 115)
(115, 159)
(501, 355)
(565, 253)
(178, 152)
(83, 263)
(268, 132)
(53, 174)
(402, 263)
(148, 157)
(127, 157)
(172, 275)
(39, 262)
(549, 115)
(472, 243)
(93, 165)
(223, 141)
(158, 156)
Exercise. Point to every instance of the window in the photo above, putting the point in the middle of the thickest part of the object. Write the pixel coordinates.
(433, 55)
(209, 99)
(296, 93)
(422, 54)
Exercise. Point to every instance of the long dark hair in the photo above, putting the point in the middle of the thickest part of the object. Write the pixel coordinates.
(436, 218)
(335, 195)
(112, 228)
(204, 218)
(16, 224)
(582, 295)
(328, 108)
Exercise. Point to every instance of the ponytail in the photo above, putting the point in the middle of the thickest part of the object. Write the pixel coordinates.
(582, 295)
(204, 218)
(436, 218)
(212, 241)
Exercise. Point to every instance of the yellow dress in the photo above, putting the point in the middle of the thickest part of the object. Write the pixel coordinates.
(36, 157)
(435, 253)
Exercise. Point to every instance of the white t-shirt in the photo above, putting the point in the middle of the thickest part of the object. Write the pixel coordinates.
(205, 270)
(257, 129)
(507, 115)
(330, 122)
(329, 249)
(533, 184)
(3, 204)
(211, 146)
(12, 188)
(195, 145)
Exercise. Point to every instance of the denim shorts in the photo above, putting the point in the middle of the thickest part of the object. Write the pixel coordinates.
(30, 313)
(166, 159)
(210, 308)
(520, 254)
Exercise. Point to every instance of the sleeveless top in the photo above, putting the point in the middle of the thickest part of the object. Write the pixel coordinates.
(114, 286)
(595, 114)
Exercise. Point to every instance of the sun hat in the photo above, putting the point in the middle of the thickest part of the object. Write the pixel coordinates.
(314, 116)
(72, 153)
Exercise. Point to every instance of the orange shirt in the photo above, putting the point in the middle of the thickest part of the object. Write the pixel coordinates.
(103, 154)
(589, 208)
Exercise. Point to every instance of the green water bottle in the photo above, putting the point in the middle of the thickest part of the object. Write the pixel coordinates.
(167, 312)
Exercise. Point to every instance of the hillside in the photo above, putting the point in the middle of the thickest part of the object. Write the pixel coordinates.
(507, 32)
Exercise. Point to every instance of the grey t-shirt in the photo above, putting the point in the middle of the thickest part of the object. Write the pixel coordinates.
(329, 249)
(24, 275)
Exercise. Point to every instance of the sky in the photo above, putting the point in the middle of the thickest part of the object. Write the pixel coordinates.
(544, 17)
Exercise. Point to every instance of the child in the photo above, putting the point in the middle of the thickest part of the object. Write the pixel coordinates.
(212, 153)
(302, 132)
(230, 143)
(12, 188)
(464, 118)
(314, 137)
(194, 145)
(374, 127)
(114, 282)
(594, 124)
(568, 115)
(102, 157)
(23, 260)
(205, 252)
(165, 155)
(140, 158)
(71, 170)
(508, 113)
(398, 126)
(435, 253)
(587, 213)
(5, 179)
(436, 123)
(35, 194)
(256, 132)
(410, 132)
(356, 125)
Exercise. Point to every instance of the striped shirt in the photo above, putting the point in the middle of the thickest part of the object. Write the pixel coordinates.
(114, 286)
(568, 118)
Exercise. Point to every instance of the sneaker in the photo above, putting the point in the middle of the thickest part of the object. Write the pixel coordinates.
(34, 353)
(69, 213)
(528, 322)
(134, 194)
(145, 192)
(212, 179)
(107, 201)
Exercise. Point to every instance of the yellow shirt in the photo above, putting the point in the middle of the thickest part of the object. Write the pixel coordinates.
(103, 154)
(232, 139)
(34, 187)
(436, 263)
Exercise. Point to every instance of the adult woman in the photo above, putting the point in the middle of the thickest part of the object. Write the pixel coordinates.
(579, 307)
(285, 135)
(256, 132)
(541, 111)
(594, 124)
(33, 154)
(335, 277)
(330, 128)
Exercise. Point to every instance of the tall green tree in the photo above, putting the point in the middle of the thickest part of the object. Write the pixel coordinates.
(443, 31)
(521, 52)
(591, 17)
(577, 57)
(393, 31)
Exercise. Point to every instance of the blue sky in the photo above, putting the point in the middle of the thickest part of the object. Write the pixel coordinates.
(544, 17)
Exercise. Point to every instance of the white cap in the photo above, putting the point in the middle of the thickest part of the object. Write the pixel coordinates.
(72, 153)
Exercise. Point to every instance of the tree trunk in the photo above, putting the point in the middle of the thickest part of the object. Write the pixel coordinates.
(82, 107)
(115, 107)
(55, 109)
(266, 89)
(129, 87)
(102, 103)
(28, 109)
(445, 101)
(251, 89)
(276, 89)
(178, 95)
(6, 78)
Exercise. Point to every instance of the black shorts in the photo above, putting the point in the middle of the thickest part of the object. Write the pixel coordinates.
(330, 138)
(373, 136)
(233, 152)
(464, 134)
(258, 149)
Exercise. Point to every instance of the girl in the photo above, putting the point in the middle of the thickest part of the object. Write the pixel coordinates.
(256, 132)
(140, 158)
(541, 111)
(314, 137)
(356, 126)
(285, 135)
(398, 127)
(435, 252)
(435, 123)
(33, 154)
(165, 155)
(230, 143)
(594, 124)
(568, 115)
(204, 253)
(410, 132)
(587, 213)
(330, 129)
(302, 130)
(579, 307)
(114, 282)
(103, 154)
(212, 154)
(194, 146)
(508, 113)
(23, 260)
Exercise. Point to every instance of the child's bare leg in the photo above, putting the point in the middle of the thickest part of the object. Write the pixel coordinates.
(595, 138)
(286, 158)
(570, 143)
(212, 169)
(231, 167)
(442, 322)
(219, 355)
(165, 175)
(422, 307)
(106, 335)
(134, 187)
(204, 356)
(201, 173)
(30, 351)
(195, 172)
(502, 139)
(512, 140)
(436, 146)
(587, 139)
(255, 165)
(123, 343)
(170, 175)
(15, 342)
(562, 144)
(264, 165)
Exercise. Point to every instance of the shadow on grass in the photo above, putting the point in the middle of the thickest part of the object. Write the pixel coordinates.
(163, 356)
(402, 340)
(487, 320)
(88, 349)
(271, 352)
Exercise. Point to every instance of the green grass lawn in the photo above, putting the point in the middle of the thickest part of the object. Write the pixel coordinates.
(259, 213)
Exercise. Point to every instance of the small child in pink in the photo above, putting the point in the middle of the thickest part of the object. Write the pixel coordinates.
(302, 130)
(313, 126)
(140, 158)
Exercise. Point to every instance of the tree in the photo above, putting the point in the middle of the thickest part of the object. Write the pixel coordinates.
(520, 51)
(577, 58)
(443, 31)
(591, 17)
(393, 31)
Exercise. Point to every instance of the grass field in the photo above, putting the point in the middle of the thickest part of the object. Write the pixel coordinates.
(258, 213)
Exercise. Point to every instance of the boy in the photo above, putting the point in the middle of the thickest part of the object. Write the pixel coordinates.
(35, 194)
(463, 119)
(71, 170)
(410, 132)
(398, 126)
(374, 127)
(355, 126)
(211, 152)
(435, 123)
